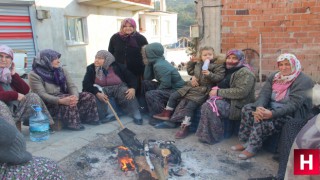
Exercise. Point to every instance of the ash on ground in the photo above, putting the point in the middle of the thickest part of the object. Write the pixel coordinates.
(98, 160)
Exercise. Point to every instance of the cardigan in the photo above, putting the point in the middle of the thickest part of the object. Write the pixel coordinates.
(18, 85)
(299, 104)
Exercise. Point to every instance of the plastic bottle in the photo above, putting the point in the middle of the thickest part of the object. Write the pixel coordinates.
(205, 65)
(38, 125)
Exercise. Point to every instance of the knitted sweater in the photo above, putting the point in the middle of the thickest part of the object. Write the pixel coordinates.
(18, 85)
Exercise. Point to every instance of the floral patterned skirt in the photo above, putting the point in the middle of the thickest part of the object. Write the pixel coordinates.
(37, 168)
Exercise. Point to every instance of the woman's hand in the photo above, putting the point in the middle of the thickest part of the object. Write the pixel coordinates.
(13, 69)
(213, 92)
(194, 81)
(262, 113)
(102, 97)
(73, 100)
(64, 101)
(20, 97)
(130, 93)
(205, 72)
(194, 59)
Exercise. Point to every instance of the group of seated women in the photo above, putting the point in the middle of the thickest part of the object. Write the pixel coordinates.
(224, 91)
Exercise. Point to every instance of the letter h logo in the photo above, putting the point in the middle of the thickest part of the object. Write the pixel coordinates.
(306, 161)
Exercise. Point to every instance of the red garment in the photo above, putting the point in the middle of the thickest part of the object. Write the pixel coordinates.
(18, 85)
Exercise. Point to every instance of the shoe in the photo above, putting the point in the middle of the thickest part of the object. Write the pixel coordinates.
(164, 115)
(183, 132)
(238, 147)
(165, 125)
(153, 121)
(138, 121)
(108, 118)
(92, 122)
(80, 128)
(245, 155)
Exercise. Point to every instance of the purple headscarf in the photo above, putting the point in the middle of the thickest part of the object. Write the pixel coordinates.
(239, 54)
(42, 66)
(130, 38)
(5, 73)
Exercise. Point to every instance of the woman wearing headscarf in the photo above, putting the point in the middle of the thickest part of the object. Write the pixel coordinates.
(117, 82)
(55, 86)
(17, 163)
(126, 46)
(15, 96)
(282, 99)
(226, 99)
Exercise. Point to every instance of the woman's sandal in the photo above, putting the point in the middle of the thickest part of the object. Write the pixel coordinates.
(238, 147)
(245, 155)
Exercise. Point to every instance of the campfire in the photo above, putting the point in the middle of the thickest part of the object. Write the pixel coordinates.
(125, 160)
(152, 162)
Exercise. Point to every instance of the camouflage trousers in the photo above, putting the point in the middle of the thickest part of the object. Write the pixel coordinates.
(254, 133)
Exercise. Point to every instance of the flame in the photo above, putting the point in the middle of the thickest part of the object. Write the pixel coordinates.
(126, 162)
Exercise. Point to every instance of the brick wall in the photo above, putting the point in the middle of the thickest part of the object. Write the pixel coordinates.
(285, 26)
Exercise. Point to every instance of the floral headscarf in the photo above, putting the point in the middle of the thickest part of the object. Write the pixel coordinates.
(281, 83)
(5, 73)
(239, 54)
(42, 66)
(130, 38)
(102, 71)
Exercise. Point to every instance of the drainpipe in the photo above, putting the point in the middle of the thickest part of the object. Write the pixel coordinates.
(260, 61)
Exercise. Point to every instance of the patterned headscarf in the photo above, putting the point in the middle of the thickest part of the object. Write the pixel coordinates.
(239, 54)
(43, 67)
(281, 83)
(102, 71)
(130, 38)
(5, 73)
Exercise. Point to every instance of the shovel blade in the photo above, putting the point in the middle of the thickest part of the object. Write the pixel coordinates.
(128, 138)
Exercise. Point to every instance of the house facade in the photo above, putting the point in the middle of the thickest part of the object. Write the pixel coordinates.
(76, 28)
(268, 27)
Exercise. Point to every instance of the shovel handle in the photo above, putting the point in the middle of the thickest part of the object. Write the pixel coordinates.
(115, 114)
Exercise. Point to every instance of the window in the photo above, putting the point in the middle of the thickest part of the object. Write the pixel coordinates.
(75, 30)
(167, 23)
(155, 27)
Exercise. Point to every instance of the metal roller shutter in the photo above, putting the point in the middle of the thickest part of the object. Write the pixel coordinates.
(16, 29)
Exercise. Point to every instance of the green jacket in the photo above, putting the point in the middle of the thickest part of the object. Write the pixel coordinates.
(240, 93)
(160, 69)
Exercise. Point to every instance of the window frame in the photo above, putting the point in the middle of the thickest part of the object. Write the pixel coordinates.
(84, 29)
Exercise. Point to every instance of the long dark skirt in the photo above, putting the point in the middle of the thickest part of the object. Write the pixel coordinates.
(211, 127)
(85, 111)
(156, 99)
(38, 168)
(289, 132)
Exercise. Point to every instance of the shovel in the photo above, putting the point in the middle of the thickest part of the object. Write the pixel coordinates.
(127, 136)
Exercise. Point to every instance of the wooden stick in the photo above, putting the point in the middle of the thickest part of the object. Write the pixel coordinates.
(115, 114)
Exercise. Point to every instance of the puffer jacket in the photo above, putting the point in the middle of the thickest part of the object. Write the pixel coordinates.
(200, 93)
(160, 69)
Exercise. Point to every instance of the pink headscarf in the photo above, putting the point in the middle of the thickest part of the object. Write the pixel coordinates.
(5, 73)
(281, 83)
(129, 38)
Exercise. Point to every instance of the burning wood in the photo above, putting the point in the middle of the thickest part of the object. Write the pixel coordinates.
(125, 160)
